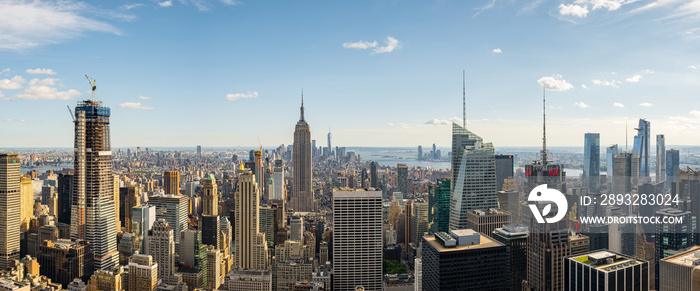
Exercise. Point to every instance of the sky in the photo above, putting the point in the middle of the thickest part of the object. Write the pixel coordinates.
(227, 73)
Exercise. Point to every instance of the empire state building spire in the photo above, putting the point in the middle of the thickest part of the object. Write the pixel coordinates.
(302, 105)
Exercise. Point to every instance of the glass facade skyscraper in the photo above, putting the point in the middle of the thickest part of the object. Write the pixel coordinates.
(641, 147)
(591, 162)
(439, 206)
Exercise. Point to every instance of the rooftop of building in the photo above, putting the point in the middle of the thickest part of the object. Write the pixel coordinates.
(484, 242)
(513, 230)
(490, 211)
(604, 260)
(688, 258)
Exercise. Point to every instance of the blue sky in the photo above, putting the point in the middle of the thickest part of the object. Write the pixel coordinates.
(378, 73)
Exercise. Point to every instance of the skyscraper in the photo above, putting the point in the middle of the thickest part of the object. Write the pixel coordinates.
(591, 162)
(402, 178)
(610, 160)
(9, 206)
(129, 197)
(660, 158)
(279, 191)
(439, 204)
(547, 245)
(673, 236)
(142, 219)
(210, 197)
(641, 147)
(504, 169)
(672, 164)
(374, 180)
(605, 271)
(420, 153)
(161, 246)
(625, 167)
(251, 247)
(143, 273)
(93, 216)
(171, 182)
(172, 208)
(357, 247)
(330, 148)
(302, 193)
(515, 239)
(474, 172)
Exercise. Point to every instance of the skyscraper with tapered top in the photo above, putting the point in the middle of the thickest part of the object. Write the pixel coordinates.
(302, 199)
(93, 215)
(9, 205)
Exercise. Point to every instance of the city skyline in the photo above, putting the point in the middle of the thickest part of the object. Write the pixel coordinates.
(612, 62)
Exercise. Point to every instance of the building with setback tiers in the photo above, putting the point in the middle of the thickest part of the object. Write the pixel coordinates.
(302, 199)
(250, 245)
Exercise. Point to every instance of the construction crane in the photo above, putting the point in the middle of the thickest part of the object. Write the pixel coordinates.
(92, 83)
(260, 144)
(71, 113)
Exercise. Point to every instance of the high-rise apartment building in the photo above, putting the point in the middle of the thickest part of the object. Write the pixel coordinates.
(251, 247)
(10, 209)
(463, 260)
(143, 273)
(641, 147)
(357, 247)
(605, 271)
(660, 158)
(171, 182)
(93, 216)
(174, 209)
(474, 177)
(302, 199)
(402, 178)
(161, 246)
(591, 162)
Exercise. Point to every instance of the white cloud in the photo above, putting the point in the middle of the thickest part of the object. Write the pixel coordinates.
(5, 71)
(44, 82)
(584, 86)
(236, 96)
(144, 97)
(694, 113)
(14, 83)
(611, 5)
(401, 125)
(497, 51)
(645, 104)
(611, 83)
(581, 105)
(555, 83)
(485, 7)
(40, 90)
(691, 67)
(440, 122)
(617, 104)
(573, 10)
(231, 2)
(360, 45)
(38, 71)
(634, 79)
(391, 45)
(28, 24)
(134, 105)
(132, 6)
(166, 3)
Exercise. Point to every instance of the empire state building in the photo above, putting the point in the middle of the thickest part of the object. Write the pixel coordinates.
(302, 199)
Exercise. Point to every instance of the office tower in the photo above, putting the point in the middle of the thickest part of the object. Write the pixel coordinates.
(687, 186)
(408, 214)
(259, 173)
(514, 237)
(581, 243)
(660, 158)
(297, 228)
(214, 272)
(374, 180)
(330, 148)
(419, 221)
(357, 247)
(279, 191)
(673, 236)
(291, 264)
(268, 225)
(129, 197)
(681, 271)
(199, 151)
(249, 280)
(547, 245)
(420, 153)
(464, 260)
(402, 178)
(641, 147)
(126, 248)
(194, 257)
(226, 244)
(171, 182)
(625, 176)
(210, 196)
(544, 171)
(210, 226)
(439, 204)
(161, 246)
(64, 260)
(10, 208)
(93, 216)
(591, 162)
(142, 219)
(106, 280)
(605, 271)
(418, 274)
(251, 247)
(172, 208)
(610, 160)
(486, 221)
(474, 178)
(302, 199)
(26, 192)
(672, 164)
(143, 273)
(504, 169)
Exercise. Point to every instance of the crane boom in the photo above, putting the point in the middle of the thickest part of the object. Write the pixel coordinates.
(93, 85)
(71, 113)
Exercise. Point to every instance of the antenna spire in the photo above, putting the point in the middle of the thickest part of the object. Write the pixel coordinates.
(544, 126)
(302, 104)
(464, 100)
